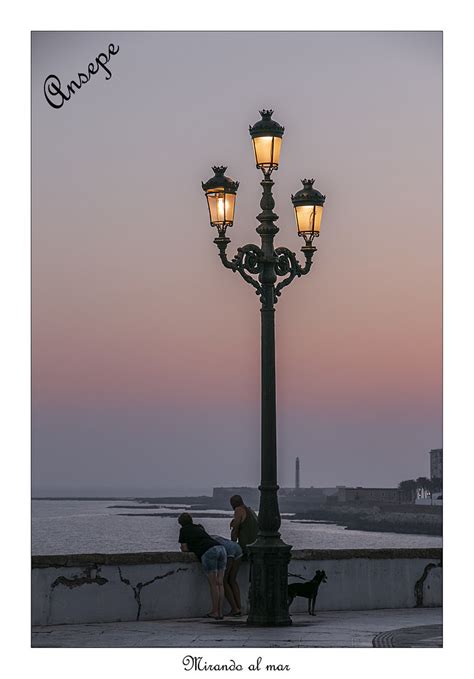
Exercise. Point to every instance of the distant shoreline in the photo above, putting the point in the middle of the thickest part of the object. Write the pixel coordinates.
(172, 499)
(85, 499)
(406, 519)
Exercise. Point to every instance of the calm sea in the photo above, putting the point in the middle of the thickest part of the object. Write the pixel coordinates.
(87, 526)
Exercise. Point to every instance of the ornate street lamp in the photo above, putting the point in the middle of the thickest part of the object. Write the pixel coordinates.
(262, 267)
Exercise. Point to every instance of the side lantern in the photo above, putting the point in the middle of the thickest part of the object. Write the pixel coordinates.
(221, 192)
(308, 203)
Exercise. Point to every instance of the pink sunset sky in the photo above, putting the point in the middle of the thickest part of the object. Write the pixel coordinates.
(145, 349)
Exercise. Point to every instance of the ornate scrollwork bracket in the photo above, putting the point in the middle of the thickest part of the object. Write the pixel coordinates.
(287, 265)
(247, 261)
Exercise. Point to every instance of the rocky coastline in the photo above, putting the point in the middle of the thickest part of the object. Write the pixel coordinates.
(377, 519)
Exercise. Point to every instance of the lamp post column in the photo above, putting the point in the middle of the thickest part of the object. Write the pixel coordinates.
(269, 555)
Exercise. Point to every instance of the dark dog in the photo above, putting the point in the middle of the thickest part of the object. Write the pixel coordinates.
(308, 590)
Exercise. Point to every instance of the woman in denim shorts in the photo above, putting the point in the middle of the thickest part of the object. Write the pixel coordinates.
(213, 557)
(231, 586)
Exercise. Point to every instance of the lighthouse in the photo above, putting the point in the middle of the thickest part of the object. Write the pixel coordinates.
(297, 473)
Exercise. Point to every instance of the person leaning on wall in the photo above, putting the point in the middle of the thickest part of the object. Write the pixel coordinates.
(213, 558)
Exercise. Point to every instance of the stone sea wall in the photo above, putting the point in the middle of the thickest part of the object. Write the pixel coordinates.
(161, 585)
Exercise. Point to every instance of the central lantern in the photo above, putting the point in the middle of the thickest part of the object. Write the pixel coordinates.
(266, 136)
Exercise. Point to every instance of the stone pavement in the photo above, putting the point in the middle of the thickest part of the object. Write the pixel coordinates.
(409, 628)
(421, 636)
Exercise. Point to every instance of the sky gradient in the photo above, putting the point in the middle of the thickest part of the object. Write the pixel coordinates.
(145, 349)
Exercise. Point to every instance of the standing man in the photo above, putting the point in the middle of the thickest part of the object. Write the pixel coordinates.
(213, 557)
(244, 525)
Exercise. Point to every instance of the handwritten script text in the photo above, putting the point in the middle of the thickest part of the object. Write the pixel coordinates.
(56, 97)
(197, 663)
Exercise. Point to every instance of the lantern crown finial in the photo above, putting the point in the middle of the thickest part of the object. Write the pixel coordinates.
(308, 195)
(219, 180)
(266, 127)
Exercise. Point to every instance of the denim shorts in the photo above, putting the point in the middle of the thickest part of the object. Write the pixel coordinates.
(214, 559)
(234, 550)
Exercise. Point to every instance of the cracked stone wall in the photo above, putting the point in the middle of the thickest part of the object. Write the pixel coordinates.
(364, 583)
(117, 593)
(151, 586)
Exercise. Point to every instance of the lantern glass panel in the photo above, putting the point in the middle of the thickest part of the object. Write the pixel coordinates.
(221, 206)
(267, 151)
(308, 218)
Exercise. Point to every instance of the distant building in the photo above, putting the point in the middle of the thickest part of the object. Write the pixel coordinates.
(297, 473)
(436, 463)
(307, 492)
(369, 495)
(251, 496)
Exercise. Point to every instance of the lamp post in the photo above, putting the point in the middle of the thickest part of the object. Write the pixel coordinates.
(268, 270)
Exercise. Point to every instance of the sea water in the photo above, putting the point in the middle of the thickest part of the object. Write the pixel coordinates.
(99, 526)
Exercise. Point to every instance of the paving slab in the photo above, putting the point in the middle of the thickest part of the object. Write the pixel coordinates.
(421, 636)
(388, 628)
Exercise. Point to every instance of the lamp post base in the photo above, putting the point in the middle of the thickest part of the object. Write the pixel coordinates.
(269, 558)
